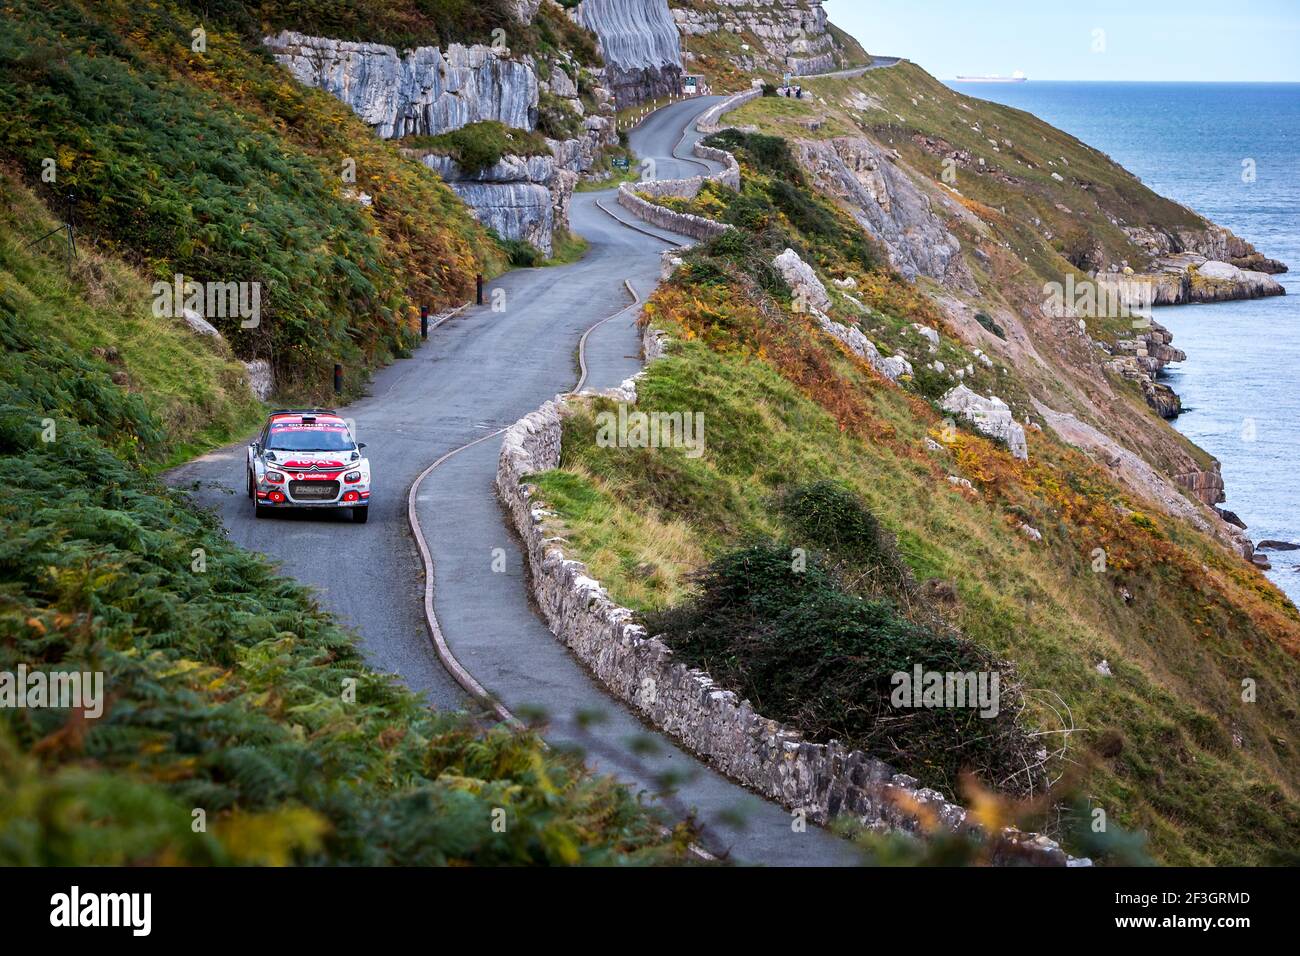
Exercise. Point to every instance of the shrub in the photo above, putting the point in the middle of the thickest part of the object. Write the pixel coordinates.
(987, 323)
(556, 118)
(832, 518)
(805, 651)
(480, 146)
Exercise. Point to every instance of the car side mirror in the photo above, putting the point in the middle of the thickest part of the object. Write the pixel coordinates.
(253, 445)
(361, 444)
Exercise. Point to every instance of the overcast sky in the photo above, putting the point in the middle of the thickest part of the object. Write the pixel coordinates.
(1056, 39)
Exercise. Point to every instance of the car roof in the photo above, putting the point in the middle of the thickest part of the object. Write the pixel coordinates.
(300, 418)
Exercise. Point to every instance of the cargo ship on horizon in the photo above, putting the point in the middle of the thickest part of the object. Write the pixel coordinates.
(1016, 77)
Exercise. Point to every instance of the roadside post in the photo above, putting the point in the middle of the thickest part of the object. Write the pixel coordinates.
(424, 323)
(338, 379)
(479, 289)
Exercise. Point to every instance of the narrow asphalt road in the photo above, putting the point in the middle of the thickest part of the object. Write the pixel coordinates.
(480, 371)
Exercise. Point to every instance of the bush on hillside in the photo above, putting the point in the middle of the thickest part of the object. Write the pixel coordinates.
(480, 146)
(831, 518)
(804, 650)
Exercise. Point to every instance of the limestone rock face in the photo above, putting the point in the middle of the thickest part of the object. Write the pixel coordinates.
(1213, 279)
(425, 91)
(640, 45)
(428, 91)
(524, 10)
(1186, 277)
(260, 379)
(793, 32)
(803, 282)
(888, 205)
(1211, 242)
(990, 416)
(515, 196)
(1204, 265)
(1143, 358)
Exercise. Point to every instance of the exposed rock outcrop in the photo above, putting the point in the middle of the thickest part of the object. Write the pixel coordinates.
(428, 91)
(1213, 242)
(1205, 485)
(888, 205)
(425, 91)
(792, 33)
(1204, 265)
(1142, 359)
(990, 416)
(1190, 277)
(261, 380)
(640, 45)
(524, 10)
(520, 197)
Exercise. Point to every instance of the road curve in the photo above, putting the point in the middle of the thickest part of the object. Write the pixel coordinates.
(481, 371)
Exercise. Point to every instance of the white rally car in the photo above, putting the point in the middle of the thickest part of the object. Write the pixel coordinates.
(308, 458)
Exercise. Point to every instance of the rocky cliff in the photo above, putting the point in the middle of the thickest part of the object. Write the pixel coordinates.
(428, 91)
(521, 197)
(640, 45)
(424, 91)
(888, 205)
(782, 35)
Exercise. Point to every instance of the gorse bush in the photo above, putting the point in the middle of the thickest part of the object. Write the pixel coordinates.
(782, 631)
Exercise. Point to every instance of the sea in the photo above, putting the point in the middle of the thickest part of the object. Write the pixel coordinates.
(1199, 143)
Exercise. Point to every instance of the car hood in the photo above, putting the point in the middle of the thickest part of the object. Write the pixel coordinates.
(312, 461)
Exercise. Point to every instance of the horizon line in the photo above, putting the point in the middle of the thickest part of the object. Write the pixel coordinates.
(1008, 79)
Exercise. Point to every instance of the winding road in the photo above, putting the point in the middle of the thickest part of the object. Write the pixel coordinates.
(479, 372)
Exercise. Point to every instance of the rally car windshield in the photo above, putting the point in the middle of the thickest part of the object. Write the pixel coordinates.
(309, 438)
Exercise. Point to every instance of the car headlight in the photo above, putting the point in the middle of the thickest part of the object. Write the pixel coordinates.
(274, 477)
(352, 477)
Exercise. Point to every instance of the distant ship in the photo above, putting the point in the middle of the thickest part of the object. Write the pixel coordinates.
(1016, 77)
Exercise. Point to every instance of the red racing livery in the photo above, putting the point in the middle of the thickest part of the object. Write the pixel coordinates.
(308, 458)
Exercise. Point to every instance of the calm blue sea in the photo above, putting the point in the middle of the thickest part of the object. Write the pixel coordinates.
(1240, 384)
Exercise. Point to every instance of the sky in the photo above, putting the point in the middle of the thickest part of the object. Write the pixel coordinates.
(1208, 40)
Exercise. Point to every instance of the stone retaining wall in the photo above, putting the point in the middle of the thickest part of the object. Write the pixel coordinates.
(696, 227)
(823, 780)
(708, 121)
